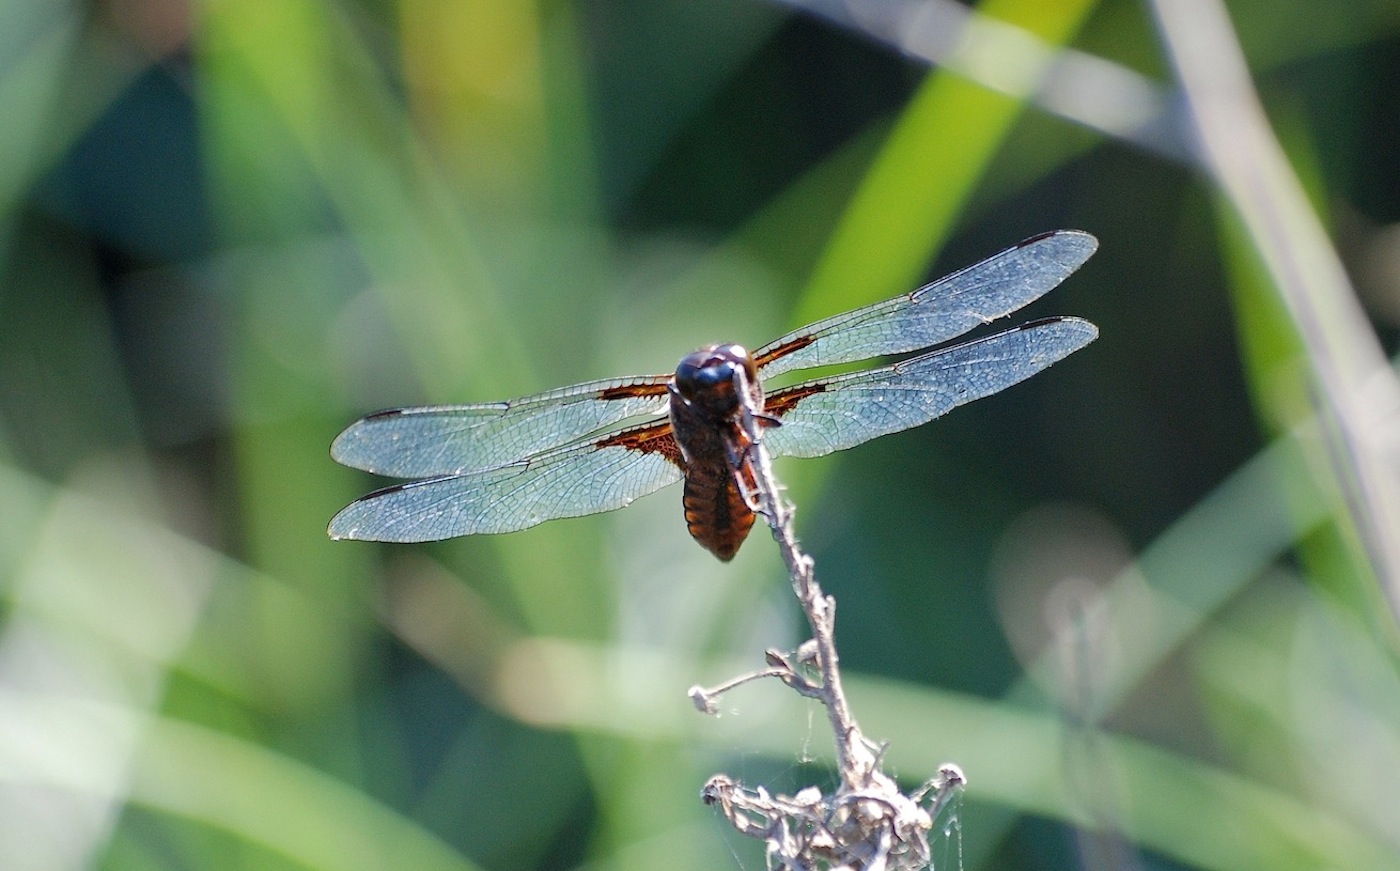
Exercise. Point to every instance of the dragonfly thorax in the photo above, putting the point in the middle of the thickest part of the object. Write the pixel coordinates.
(708, 380)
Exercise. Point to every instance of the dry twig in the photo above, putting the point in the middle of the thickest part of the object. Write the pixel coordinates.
(866, 823)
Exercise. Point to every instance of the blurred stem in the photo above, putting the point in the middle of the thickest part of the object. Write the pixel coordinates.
(1357, 392)
(1109, 98)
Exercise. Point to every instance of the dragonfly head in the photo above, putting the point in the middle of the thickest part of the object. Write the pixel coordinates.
(708, 379)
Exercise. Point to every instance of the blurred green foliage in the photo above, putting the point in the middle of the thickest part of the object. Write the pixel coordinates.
(1126, 597)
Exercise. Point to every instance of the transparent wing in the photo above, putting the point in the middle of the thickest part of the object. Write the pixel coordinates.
(570, 482)
(827, 415)
(935, 312)
(451, 439)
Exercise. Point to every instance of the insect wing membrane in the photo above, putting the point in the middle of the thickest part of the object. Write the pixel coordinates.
(936, 312)
(450, 439)
(568, 483)
(855, 408)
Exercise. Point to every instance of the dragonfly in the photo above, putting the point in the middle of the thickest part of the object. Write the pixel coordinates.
(598, 446)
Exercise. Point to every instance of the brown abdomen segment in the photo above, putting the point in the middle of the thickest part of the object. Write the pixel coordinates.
(715, 511)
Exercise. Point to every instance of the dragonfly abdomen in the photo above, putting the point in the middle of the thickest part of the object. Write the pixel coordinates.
(715, 511)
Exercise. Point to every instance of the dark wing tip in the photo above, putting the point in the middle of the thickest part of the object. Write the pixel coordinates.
(1085, 239)
(383, 413)
(1083, 331)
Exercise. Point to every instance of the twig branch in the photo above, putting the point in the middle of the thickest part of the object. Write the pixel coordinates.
(867, 822)
(855, 756)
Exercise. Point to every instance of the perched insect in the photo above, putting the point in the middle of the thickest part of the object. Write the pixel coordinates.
(504, 466)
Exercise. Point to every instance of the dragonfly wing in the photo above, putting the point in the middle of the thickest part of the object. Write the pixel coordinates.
(935, 312)
(833, 414)
(570, 482)
(446, 440)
